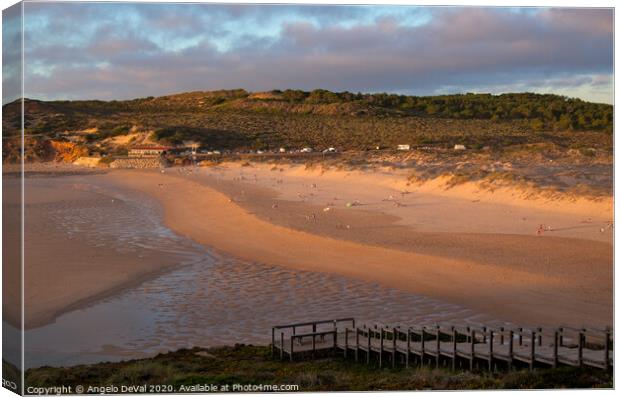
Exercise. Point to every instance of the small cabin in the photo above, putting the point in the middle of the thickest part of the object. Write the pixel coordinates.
(404, 147)
(148, 151)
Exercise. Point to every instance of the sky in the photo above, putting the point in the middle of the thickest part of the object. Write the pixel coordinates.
(124, 50)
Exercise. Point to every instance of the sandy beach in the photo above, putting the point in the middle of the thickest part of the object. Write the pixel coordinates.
(492, 265)
(472, 250)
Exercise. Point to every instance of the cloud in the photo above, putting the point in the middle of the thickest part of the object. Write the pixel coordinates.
(11, 53)
(126, 51)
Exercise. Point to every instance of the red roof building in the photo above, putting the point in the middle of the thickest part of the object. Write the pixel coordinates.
(148, 150)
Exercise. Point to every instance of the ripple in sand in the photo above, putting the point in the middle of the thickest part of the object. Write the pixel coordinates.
(221, 301)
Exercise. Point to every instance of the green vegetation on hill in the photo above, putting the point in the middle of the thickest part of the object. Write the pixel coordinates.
(236, 119)
(252, 365)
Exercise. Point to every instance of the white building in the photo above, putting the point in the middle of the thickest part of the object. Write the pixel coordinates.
(192, 145)
(404, 147)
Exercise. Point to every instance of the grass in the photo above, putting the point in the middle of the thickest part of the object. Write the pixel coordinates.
(253, 365)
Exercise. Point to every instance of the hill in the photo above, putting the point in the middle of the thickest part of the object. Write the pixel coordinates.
(239, 120)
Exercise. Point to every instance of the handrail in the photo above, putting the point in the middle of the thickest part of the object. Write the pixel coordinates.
(587, 329)
(338, 320)
(293, 336)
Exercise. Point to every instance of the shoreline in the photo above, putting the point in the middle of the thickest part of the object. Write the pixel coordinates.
(82, 271)
(85, 302)
(529, 297)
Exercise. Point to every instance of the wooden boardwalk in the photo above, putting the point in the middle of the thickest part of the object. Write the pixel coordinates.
(462, 347)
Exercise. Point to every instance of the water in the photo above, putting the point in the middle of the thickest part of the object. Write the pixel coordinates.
(208, 299)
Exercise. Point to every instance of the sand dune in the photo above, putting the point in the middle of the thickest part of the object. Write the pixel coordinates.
(430, 207)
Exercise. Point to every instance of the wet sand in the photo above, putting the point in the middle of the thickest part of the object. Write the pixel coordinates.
(74, 254)
(208, 304)
(517, 277)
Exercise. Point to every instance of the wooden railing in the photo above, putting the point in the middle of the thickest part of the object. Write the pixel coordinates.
(527, 346)
(293, 335)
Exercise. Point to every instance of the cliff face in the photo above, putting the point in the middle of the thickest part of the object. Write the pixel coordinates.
(34, 150)
(66, 151)
(38, 149)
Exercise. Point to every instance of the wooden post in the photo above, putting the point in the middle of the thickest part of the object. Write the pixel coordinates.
(381, 348)
(501, 335)
(313, 344)
(408, 347)
(422, 350)
(357, 343)
(539, 336)
(580, 349)
(472, 351)
(353, 323)
(607, 346)
(491, 351)
(484, 334)
(335, 341)
(556, 338)
(510, 349)
(438, 343)
(520, 336)
(281, 345)
(393, 347)
(561, 336)
(368, 352)
(346, 341)
(273, 341)
(532, 350)
(454, 337)
(292, 338)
